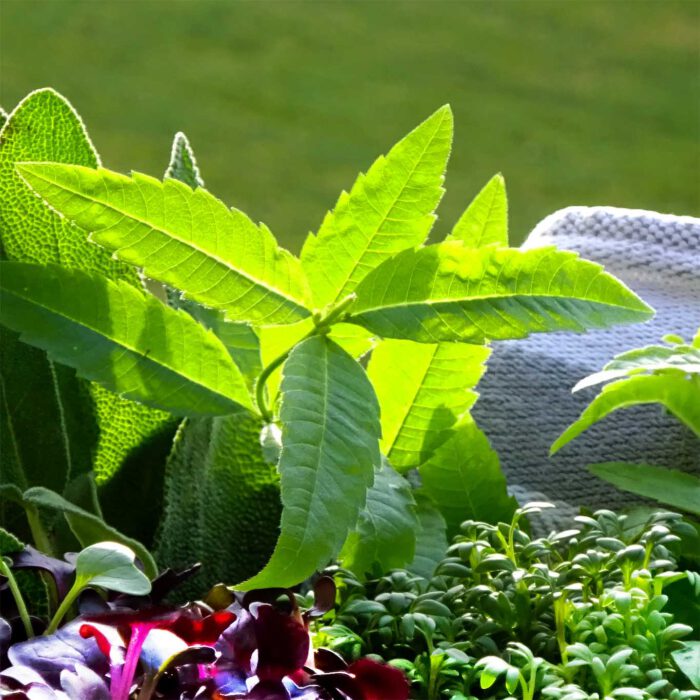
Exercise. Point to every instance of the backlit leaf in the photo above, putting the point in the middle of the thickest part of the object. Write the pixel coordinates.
(652, 358)
(673, 389)
(127, 340)
(448, 292)
(465, 481)
(486, 219)
(276, 340)
(330, 449)
(423, 389)
(185, 238)
(388, 209)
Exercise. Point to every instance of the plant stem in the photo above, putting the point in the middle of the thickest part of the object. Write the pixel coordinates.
(322, 324)
(17, 595)
(64, 607)
(41, 539)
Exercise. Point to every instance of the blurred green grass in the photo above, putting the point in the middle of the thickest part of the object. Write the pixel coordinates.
(576, 101)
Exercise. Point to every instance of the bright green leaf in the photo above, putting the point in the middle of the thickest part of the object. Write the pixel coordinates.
(239, 338)
(431, 538)
(671, 487)
(423, 389)
(386, 529)
(448, 292)
(87, 527)
(277, 340)
(652, 358)
(114, 334)
(465, 481)
(185, 238)
(486, 219)
(81, 429)
(673, 389)
(387, 210)
(330, 448)
(110, 565)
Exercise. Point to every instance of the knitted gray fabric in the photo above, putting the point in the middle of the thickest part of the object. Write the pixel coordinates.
(526, 399)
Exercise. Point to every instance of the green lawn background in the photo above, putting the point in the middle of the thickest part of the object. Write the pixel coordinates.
(575, 101)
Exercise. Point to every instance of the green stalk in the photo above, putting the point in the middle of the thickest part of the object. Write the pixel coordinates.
(65, 605)
(17, 595)
(41, 539)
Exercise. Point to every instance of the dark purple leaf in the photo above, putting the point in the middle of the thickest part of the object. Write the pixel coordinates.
(379, 681)
(197, 629)
(324, 598)
(62, 572)
(168, 580)
(268, 690)
(238, 642)
(65, 649)
(283, 643)
(329, 661)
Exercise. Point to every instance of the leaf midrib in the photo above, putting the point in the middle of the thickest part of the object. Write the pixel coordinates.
(148, 358)
(369, 240)
(486, 297)
(227, 264)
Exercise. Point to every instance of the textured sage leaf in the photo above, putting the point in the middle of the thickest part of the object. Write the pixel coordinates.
(388, 209)
(465, 481)
(448, 292)
(652, 358)
(183, 164)
(181, 237)
(385, 535)
(431, 538)
(673, 389)
(222, 501)
(671, 487)
(87, 527)
(485, 220)
(423, 389)
(112, 333)
(83, 425)
(110, 565)
(330, 449)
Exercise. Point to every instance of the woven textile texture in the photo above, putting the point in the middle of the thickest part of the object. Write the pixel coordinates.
(526, 399)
